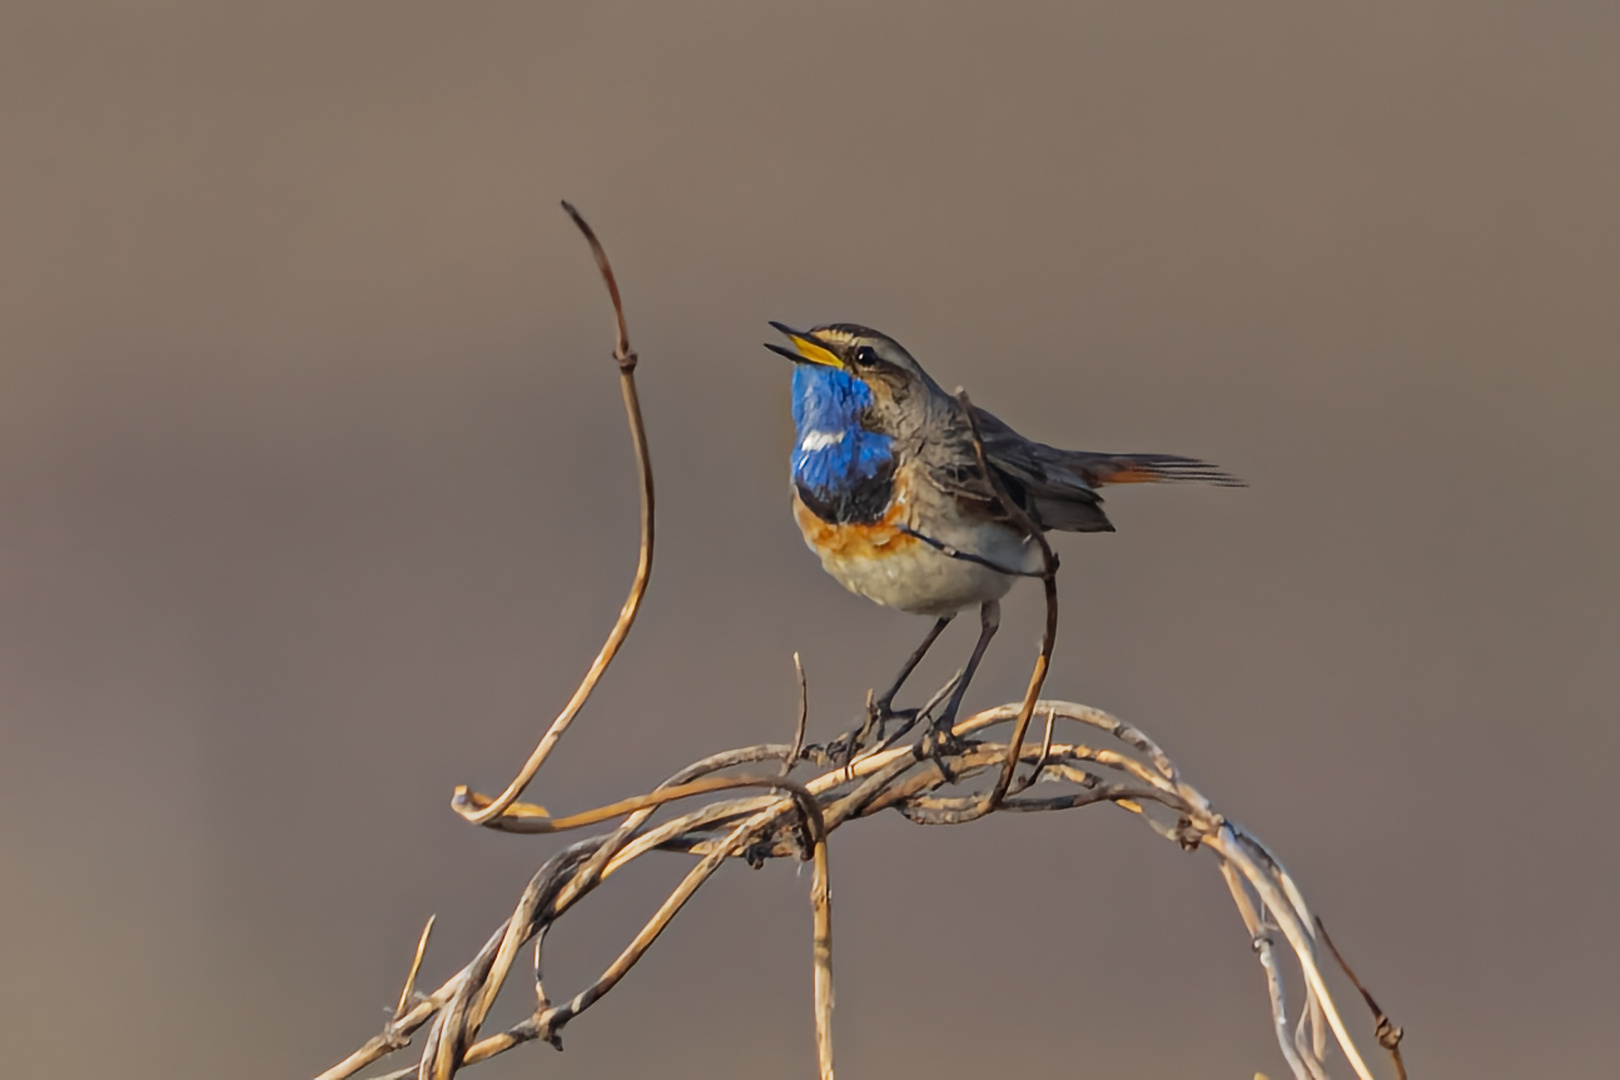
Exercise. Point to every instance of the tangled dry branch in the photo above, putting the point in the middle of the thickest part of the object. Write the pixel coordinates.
(763, 815)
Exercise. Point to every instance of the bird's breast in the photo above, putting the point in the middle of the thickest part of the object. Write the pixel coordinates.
(885, 560)
(876, 539)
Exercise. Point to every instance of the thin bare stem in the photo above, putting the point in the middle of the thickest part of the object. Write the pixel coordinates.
(416, 966)
(541, 1000)
(1268, 961)
(1040, 762)
(792, 757)
(479, 810)
(458, 1027)
(1237, 848)
(1385, 1030)
(1049, 566)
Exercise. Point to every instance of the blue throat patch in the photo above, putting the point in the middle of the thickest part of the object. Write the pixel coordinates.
(844, 472)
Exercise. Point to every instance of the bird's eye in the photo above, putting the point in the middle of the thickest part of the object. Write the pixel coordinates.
(865, 355)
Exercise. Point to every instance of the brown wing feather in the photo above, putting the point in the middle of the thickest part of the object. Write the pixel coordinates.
(1059, 486)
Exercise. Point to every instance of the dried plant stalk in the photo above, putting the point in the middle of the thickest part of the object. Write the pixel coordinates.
(1049, 566)
(627, 361)
(1137, 778)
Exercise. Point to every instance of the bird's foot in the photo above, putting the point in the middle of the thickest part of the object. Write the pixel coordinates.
(942, 742)
(873, 730)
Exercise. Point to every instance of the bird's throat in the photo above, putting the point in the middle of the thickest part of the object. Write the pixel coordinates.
(843, 472)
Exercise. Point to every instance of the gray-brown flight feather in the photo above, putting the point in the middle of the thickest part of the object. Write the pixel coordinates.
(1058, 487)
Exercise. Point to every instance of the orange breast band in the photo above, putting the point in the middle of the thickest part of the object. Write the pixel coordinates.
(876, 541)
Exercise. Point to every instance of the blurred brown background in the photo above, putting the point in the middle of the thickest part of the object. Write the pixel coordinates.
(317, 502)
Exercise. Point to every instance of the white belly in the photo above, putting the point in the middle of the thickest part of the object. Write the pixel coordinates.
(921, 580)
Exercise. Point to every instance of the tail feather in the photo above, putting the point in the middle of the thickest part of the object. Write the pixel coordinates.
(1100, 469)
(1060, 486)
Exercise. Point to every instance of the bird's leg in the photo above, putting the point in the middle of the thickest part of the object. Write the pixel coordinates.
(911, 716)
(939, 730)
(882, 708)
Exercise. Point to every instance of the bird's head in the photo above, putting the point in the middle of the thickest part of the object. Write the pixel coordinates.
(874, 359)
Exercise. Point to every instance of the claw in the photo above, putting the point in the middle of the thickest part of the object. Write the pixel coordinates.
(942, 742)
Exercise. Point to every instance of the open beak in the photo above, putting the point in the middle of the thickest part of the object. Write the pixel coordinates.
(809, 349)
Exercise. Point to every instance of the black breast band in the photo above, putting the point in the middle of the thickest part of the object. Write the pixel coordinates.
(860, 503)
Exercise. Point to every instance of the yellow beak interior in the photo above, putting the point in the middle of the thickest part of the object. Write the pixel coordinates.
(814, 353)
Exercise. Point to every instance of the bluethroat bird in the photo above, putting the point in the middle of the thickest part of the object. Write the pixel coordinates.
(888, 490)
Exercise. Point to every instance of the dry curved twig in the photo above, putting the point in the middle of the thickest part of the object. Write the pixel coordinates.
(488, 809)
(794, 819)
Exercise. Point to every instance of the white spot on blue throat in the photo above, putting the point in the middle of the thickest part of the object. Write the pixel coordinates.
(811, 441)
